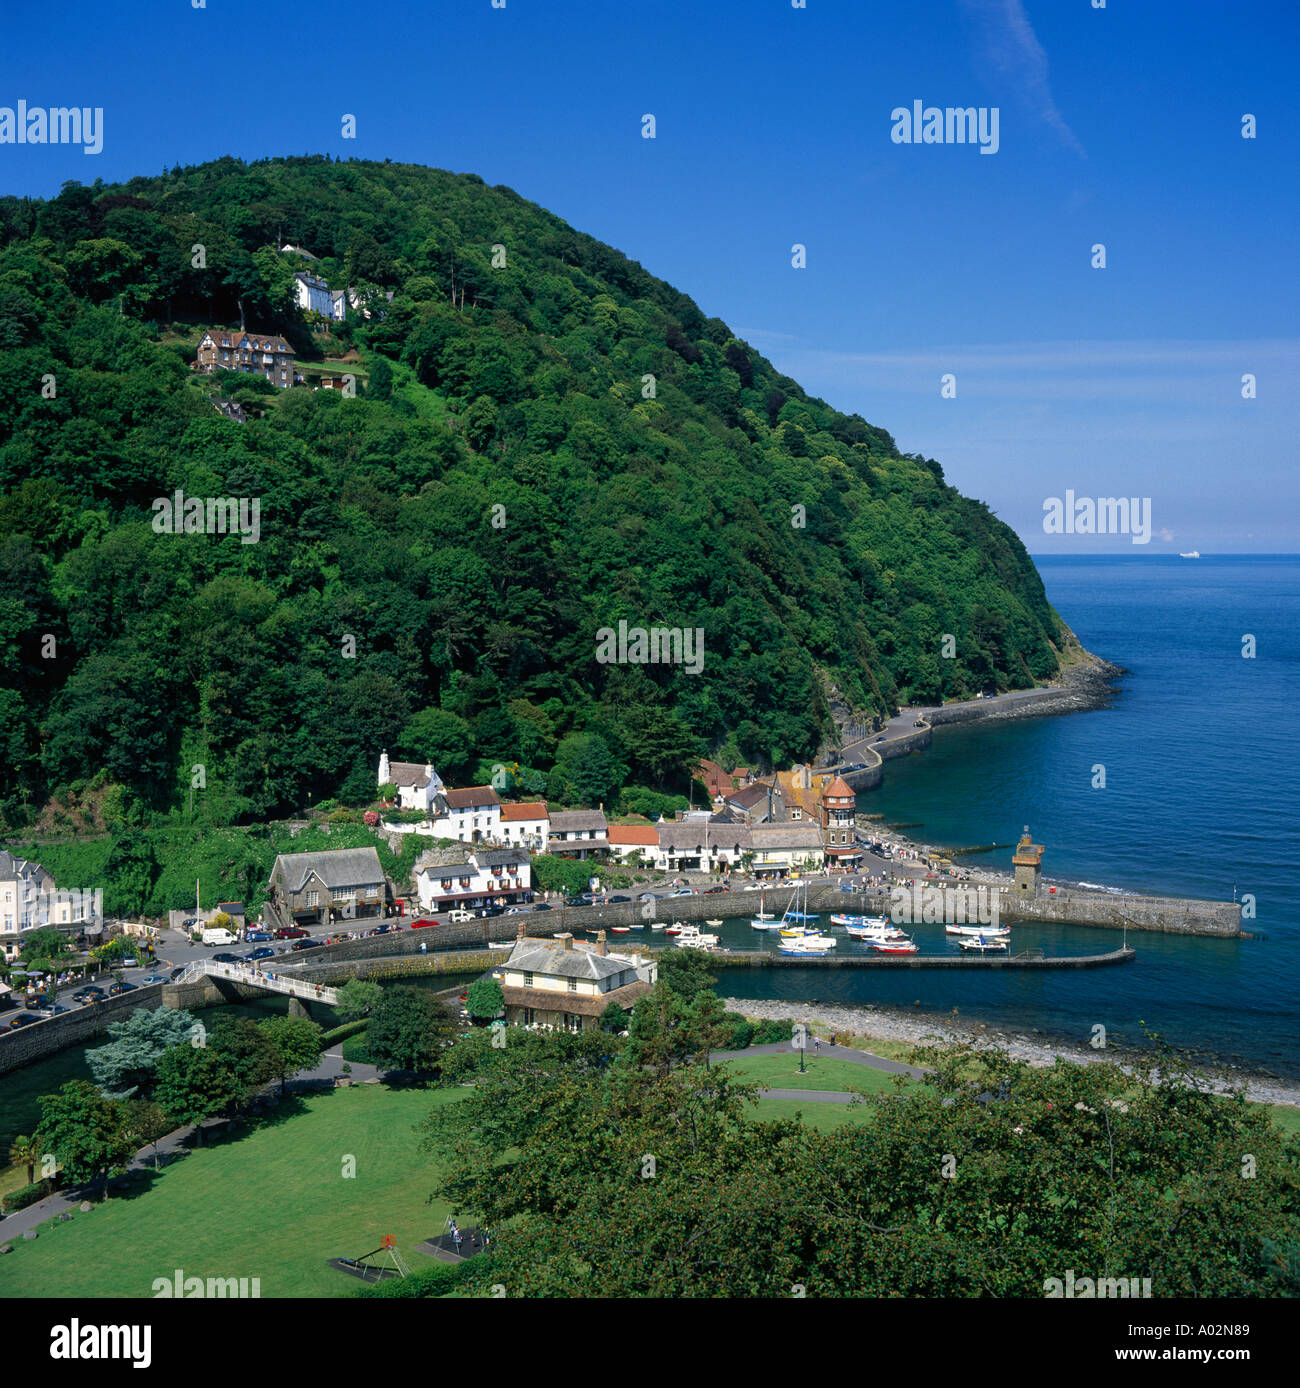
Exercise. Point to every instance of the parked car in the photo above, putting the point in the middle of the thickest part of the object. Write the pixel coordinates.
(119, 988)
(51, 1009)
(542, 906)
(129, 961)
(23, 1019)
(176, 973)
(883, 737)
(290, 932)
(190, 921)
(648, 896)
(254, 955)
(308, 943)
(709, 891)
(383, 929)
(419, 923)
(90, 994)
(614, 899)
(683, 891)
(226, 959)
(575, 901)
(250, 935)
(154, 978)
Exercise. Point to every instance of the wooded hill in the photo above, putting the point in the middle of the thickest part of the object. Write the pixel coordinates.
(133, 656)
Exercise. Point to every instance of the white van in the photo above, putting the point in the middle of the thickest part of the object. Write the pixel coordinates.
(456, 916)
(219, 937)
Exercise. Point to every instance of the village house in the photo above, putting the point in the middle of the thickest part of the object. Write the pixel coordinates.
(562, 984)
(628, 840)
(447, 877)
(839, 834)
(312, 294)
(720, 783)
(578, 834)
(706, 844)
(526, 824)
(261, 354)
(417, 786)
(758, 803)
(472, 814)
(779, 848)
(335, 884)
(29, 900)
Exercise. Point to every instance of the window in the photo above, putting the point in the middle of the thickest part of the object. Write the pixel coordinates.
(572, 1023)
(573, 985)
(528, 980)
(313, 898)
(530, 1016)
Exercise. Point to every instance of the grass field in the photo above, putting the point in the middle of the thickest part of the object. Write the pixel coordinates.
(820, 1072)
(814, 1115)
(271, 1204)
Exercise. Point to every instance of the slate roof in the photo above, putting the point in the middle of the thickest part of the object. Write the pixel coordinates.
(12, 868)
(686, 834)
(531, 956)
(470, 797)
(568, 820)
(336, 867)
(749, 797)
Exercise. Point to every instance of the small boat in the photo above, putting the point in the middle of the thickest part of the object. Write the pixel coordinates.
(715, 924)
(620, 929)
(903, 946)
(804, 946)
(761, 919)
(984, 944)
(1192, 554)
(988, 931)
(655, 925)
(639, 926)
(876, 930)
(767, 923)
(691, 937)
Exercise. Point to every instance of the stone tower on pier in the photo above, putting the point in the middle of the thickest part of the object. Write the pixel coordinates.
(1028, 865)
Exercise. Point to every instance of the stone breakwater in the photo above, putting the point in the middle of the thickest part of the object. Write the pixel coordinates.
(925, 1029)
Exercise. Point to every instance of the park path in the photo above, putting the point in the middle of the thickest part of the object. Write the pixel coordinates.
(330, 1068)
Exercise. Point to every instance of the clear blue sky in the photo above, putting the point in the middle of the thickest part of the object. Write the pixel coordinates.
(1120, 125)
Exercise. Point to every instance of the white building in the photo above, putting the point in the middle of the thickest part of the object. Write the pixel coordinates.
(559, 983)
(526, 824)
(312, 294)
(444, 880)
(30, 900)
(417, 786)
(578, 834)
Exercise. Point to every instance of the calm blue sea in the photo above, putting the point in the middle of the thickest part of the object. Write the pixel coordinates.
(1201, 751)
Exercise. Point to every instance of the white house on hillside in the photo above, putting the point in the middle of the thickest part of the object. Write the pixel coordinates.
(417, 786)
(483, 876)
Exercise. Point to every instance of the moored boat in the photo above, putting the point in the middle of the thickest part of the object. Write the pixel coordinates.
(984, 944)
(903, 946)
(988, 931)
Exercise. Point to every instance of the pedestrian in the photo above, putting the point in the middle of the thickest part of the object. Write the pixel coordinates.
(832, 1038)
(817, 1043)
(457, 1237)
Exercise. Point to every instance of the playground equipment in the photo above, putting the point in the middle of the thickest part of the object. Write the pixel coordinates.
(393, 1265)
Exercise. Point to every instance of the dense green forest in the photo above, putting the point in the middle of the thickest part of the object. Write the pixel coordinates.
(507, 480)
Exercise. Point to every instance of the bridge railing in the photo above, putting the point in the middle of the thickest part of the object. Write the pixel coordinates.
(275, 983)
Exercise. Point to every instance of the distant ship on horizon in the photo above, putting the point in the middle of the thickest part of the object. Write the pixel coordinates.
(1194, 554)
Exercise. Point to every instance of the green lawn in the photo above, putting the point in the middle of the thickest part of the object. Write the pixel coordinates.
(814, 1115)
(820, 1072)
(1286, 1118)
(272, 1204)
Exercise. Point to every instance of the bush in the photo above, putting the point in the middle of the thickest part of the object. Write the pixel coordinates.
(27, 1195)
(742, 1033)
(440, 1279)
(345, 1029)
(767, 1032)
(354, 1049)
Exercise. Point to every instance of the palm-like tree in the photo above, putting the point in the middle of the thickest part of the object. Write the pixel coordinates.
(23, 1151)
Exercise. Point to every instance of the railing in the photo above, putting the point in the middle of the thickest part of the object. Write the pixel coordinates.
(275, 983)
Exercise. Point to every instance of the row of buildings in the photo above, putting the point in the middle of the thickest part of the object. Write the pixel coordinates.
(29, 900)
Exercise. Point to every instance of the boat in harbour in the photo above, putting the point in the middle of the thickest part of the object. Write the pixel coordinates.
(903, 946)
(984, 944)
(814, 945)
(988, 931)
(764, 920)
(690, 936)
(714, 923)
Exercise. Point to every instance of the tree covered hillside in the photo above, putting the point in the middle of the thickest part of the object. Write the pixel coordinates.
(507, 480)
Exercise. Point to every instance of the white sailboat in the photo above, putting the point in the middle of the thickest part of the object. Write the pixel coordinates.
(764, 920)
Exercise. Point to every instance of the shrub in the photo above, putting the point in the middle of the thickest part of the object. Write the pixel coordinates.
(27, 1195)
(440, 1279)
(344, 1030)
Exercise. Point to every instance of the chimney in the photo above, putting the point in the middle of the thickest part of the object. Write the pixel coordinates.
(567, 938)
(600, 943)
(521, 930)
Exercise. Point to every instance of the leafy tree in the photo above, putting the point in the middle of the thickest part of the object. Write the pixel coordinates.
(45, 944)
(296, 1042)
(194, 1084)
(407, 1030)
(87, 1133)
(358, 997)
(147, 1124)
(615, 1019)
(249, 1054)
(484, 999)
(127, 1066)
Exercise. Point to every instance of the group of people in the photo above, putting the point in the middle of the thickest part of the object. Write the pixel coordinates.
(479, 1240)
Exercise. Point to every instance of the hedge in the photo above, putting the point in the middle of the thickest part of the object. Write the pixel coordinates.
(27, 1195)
(438, 1279)
(337, 1033)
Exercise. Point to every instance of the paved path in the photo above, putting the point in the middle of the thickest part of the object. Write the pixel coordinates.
(874, 1062)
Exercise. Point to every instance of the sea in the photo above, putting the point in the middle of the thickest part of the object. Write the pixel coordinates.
(1188, 784)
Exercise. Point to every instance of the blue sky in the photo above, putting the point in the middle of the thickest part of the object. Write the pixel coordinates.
(1119, 125)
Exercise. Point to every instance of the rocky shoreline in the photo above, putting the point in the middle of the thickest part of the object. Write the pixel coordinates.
(870, 1023)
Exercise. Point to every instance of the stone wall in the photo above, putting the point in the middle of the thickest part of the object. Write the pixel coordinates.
(53, 1034)
(1167, 915)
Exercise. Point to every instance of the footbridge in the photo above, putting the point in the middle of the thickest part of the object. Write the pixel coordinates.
(273, 982)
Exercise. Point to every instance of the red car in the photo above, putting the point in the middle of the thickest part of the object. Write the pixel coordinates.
(422, 921)
(290, 932)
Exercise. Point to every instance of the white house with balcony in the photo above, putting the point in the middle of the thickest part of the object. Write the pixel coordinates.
(446, 880)
(578, 834)
(526, 824)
